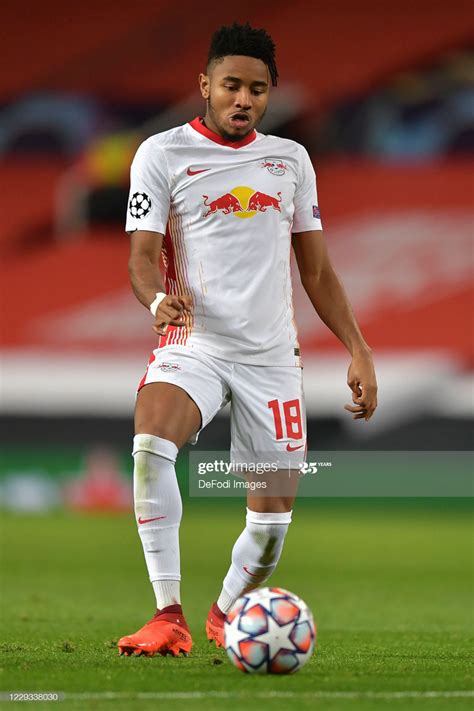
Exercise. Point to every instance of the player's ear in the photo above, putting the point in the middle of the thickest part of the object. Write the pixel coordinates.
(204, 83)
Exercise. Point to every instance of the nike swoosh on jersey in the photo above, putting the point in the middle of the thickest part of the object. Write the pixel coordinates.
(147, 520)
(289, 448)
(195, 172)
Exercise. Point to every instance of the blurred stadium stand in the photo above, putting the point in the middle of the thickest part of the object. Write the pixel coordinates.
(113, 52)
(382, 97)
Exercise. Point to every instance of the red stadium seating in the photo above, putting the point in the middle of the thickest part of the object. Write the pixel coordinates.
(131, 52)
(28, 194)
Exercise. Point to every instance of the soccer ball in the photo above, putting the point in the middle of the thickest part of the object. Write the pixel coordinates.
(269, 631)
(140, 205)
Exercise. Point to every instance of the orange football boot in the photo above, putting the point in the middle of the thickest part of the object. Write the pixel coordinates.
(166, 633)
(215, 625)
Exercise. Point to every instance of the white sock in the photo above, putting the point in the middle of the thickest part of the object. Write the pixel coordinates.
(158, 510)
(255, 555)
(166, 593)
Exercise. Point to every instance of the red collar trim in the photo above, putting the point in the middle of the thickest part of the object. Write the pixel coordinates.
(205, 131)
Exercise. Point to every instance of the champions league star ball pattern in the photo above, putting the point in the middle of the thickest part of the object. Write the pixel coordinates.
(139, 205)
(269, 631)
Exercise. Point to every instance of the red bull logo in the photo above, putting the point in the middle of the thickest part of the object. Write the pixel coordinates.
(242, 202)
(275, 166)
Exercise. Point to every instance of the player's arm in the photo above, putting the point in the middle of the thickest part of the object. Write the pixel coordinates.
(330, 301)
(146, 281)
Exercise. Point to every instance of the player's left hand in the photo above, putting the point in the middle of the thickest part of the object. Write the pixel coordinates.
(363, 383)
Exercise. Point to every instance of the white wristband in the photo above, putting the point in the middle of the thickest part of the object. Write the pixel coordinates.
(154, 304)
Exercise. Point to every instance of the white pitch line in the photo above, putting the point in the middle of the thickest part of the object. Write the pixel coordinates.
(190, 695)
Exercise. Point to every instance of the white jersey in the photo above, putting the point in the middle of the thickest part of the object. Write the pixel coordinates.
(227, 211)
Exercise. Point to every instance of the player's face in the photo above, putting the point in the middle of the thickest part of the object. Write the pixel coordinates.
(236, 90)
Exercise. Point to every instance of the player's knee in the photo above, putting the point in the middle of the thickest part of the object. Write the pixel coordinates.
(169, 415)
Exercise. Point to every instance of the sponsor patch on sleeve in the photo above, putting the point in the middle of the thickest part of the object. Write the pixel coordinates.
(316, 212)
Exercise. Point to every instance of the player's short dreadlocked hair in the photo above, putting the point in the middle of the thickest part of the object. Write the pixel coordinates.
(244, 40)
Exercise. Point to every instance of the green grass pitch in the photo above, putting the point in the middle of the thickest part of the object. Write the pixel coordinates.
(390, 586)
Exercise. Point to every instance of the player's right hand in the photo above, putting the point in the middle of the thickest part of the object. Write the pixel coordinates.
(170, 312)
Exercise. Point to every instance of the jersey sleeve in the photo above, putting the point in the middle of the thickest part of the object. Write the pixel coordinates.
(149, 199)
(306, 216)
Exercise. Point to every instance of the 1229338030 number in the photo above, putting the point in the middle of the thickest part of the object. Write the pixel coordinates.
(32, 696)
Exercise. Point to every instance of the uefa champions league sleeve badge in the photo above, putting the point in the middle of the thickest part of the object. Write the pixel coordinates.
(140, 205)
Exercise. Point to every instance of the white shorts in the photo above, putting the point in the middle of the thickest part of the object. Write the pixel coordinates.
(268, 417)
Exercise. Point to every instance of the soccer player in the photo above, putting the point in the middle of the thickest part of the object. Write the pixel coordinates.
(223, 204)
